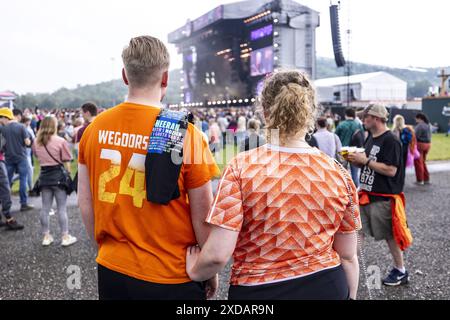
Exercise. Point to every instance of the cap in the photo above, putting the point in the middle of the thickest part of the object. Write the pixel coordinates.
(378, 111)
(7, 113)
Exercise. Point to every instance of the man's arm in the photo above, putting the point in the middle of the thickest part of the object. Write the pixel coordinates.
(360, 160)
(85, 201)
(384, 169)
(200, 200)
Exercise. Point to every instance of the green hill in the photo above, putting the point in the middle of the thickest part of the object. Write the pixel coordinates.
(110, 93)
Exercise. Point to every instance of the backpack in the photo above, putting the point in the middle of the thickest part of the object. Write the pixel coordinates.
(357, 139)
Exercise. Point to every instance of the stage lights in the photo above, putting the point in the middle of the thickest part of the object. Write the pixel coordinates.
(219, 53)
(257, 17)
(234, 102)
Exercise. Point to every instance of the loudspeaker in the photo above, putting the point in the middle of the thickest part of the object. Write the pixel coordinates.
(336, 35)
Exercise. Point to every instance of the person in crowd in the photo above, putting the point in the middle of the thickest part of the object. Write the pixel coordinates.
(232, 127)
(407, 137)
(53, 152)
(241, 129)
(78, 124)
(141, 243)
(285, 243)
(223, 123)
(204, 124)
(331, 125)
(214, 135)
(327, 141)
(423, 136)
(89, 111)
(254, 139)
(351, 134)
(62, 132)
(381, 198)
(5, 191)
(15, 153)
(26, 121)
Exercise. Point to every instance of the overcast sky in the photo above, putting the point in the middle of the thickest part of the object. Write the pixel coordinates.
(48, 44)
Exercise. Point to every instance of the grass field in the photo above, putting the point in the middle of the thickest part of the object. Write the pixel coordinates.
(440, 150)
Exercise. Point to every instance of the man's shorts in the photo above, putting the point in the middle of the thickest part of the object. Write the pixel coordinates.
(376, 219)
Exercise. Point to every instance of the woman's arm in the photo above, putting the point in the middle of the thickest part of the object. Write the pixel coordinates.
(346, 246)
(204, 264)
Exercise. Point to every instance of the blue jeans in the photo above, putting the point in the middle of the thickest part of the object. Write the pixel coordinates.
(5, 191)
(355, 174)
(22, 167)
(30, 169)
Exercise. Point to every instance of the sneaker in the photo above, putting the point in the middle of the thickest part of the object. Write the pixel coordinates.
(68, 240)
(48, 240)
(13, 225)
(26, 207)
(419, 183)
(396, 278)
(51, 212)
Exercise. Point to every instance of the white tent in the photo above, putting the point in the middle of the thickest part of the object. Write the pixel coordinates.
(376, 87)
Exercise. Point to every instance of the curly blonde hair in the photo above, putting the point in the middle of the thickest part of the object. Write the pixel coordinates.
(289, 103)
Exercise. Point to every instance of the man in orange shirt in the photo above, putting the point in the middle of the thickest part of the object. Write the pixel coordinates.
(141, 244)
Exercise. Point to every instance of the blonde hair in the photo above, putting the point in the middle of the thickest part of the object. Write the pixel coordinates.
(254, 125)
(145, 59)
(48, 128)
(289, 103)
(399, 123)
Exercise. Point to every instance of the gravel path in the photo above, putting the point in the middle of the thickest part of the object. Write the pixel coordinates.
(30, 271)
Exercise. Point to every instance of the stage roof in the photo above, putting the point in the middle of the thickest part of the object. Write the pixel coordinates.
(237, 10)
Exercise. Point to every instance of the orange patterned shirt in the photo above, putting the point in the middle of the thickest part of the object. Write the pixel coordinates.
(287, 204)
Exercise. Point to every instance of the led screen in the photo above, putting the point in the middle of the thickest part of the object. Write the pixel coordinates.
(261, 61)
(261, 32)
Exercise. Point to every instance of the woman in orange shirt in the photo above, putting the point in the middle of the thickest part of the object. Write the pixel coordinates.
(284, 211)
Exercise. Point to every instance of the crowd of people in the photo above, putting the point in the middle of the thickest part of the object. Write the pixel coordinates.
(289, 205)
(47, 139)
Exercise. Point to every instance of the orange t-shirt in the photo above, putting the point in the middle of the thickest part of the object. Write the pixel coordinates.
(287, 205)
(135, 237)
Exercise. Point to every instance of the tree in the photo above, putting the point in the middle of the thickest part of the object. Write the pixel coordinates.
(419, 89)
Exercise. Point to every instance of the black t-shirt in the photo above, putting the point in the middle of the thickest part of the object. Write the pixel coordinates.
(386, 149)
